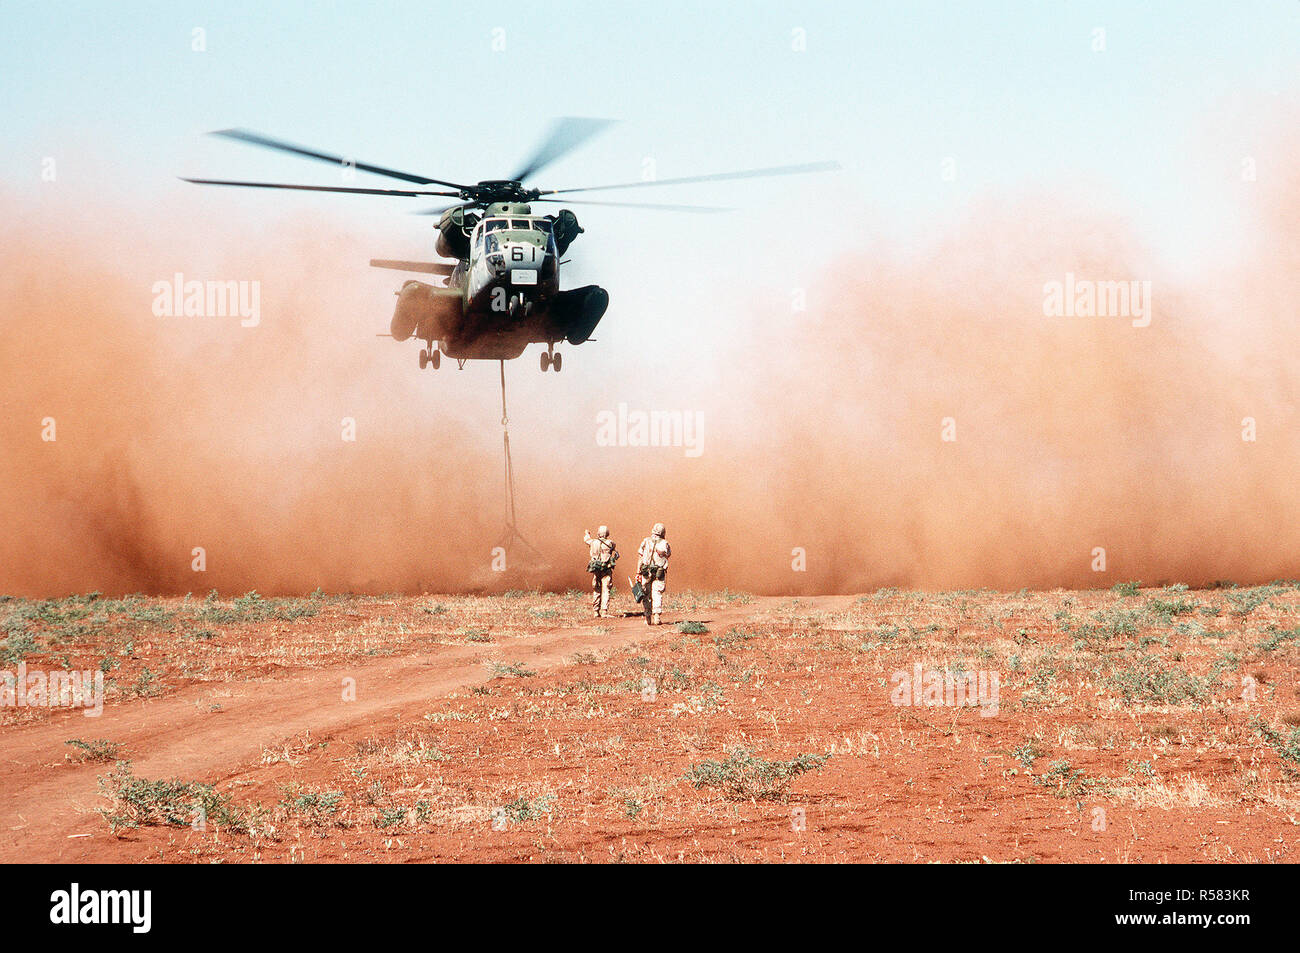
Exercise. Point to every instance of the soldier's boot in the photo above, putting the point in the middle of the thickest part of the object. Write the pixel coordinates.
(656, 619)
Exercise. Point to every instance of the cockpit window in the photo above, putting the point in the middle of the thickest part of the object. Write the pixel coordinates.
(518, 224)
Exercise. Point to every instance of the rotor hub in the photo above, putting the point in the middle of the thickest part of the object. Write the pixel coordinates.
(491, 191)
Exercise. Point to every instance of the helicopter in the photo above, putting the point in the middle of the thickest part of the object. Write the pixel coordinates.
(501, 258)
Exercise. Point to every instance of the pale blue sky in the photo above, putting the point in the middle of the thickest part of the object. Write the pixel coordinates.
(1012, 91)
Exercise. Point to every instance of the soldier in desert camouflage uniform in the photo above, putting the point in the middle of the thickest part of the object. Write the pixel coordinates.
(652, 571)
(603, 553)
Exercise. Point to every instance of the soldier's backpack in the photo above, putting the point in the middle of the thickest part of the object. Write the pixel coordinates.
(605, 564)
(650, 571)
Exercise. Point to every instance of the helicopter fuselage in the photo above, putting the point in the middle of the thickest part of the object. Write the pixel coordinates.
(504, 295)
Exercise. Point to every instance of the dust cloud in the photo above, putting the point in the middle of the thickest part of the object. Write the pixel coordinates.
(823, 471)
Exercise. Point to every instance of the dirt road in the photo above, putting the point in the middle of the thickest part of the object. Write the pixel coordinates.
(48, 804)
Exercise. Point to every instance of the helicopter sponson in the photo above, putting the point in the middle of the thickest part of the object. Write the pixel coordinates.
(430, 313)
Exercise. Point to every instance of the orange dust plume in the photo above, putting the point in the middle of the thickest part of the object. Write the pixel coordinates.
(923, 423)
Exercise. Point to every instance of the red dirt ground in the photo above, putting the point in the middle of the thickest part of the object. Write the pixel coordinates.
(1143, 726)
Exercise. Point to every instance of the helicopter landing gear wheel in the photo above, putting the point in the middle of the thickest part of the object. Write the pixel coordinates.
(435, 358)
(546, 362)
(424, 358)
(557, 362)
(429, 356)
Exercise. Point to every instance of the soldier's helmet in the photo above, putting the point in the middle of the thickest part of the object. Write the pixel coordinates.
(659, 531)
(603, 532)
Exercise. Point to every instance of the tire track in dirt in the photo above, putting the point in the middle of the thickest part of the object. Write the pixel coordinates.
(48, 804)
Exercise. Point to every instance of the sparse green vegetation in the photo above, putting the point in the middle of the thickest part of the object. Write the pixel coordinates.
(1028, 753)
(512, 670)
(1277, 637)
(1148, 681)
(101, 749)
(735, 598)
(252, 607)
(1165, 609)
(137, 801)
(1245, 601)
(316, 808)
(144, 686)
(733, 636)
(390, 816)
(1287, 746)
(522, 809)
(742, 774)
(1065, 780)
(17, 646)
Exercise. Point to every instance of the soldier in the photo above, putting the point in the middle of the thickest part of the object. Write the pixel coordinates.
(603, 554)
(652, 571)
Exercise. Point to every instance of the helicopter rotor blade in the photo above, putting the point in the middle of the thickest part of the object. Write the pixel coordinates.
(253, 138)
(440, 209)
(565, 135)
(316, 188)
(714, 177)
(650, 205)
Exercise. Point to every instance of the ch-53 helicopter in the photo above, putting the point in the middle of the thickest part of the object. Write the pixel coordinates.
(502, 289)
